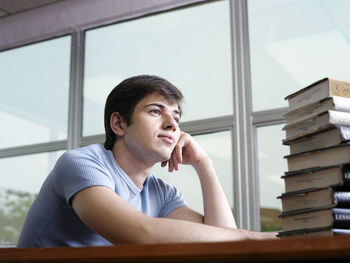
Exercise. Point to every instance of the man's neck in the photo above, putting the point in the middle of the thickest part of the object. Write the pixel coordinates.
(136, 168)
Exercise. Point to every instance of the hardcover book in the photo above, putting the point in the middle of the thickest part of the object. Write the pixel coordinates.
(319, 140)
(331, 103)
(332, 176)
(314, 232)
(334, 155)
(315, 198)
(322, 121)
(317, 91)
(311, 218)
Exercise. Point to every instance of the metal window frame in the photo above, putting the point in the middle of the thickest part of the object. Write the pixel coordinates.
(243, 123)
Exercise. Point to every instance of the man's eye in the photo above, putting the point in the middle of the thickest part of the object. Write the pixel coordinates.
(156, 111)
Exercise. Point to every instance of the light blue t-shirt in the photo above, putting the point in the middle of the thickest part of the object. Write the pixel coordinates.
(51, 221)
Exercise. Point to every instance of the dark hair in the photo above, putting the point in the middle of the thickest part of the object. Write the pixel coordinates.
(124, 97)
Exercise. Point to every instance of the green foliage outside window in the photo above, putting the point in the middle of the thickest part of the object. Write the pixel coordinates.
(14, 206)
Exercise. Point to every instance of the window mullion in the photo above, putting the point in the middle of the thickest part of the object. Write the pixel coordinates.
(75, 114)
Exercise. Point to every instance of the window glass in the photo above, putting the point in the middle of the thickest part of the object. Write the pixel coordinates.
(34, 93)
(272, 166)
(19, 185)
(295, 43)
(190, 47)
(218, 146)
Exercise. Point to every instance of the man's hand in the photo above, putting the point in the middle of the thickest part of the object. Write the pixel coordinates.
(186, 151)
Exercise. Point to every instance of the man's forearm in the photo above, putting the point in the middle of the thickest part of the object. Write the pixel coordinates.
(217, 210)
(163, 230)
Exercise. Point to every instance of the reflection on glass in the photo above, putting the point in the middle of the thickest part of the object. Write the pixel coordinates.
(218, 146)
(189, 47)
(34, 93)
(290, 50)
(272, 166)
(18, 189)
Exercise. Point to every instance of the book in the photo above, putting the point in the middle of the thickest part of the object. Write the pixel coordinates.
(333, 155)
(320, 122)
(317, 91)
(315, 197)
(319, 139)
(314, 232)
(330, 103)
(332, 176)
(312, 218)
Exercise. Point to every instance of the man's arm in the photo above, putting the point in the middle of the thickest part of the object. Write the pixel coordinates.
(102, 210)
(217, 211)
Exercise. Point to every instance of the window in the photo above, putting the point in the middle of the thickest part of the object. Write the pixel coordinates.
(34, 115)
(295, 43)
(292, 44)
(189, 47)
(24, 177)
(34, 93)
(271, 168)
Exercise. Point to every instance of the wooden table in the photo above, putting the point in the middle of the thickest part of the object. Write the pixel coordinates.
(331, 249)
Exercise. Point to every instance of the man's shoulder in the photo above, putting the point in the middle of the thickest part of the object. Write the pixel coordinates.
(93, 150)
(91, 153)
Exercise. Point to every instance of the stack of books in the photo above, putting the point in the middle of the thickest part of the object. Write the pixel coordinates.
(316, 201)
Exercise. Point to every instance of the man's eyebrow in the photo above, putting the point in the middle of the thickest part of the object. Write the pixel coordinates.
(162, 106)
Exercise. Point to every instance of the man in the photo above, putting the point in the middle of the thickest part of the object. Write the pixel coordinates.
(103, 195)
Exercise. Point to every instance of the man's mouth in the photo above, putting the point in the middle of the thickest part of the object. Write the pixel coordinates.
(167, 139)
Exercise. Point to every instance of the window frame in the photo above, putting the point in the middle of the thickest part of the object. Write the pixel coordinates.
(243, 123)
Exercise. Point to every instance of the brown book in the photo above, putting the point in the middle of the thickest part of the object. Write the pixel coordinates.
(321, 217)
(314, 232)
(312, 198)
(317, 91)
(320, 139)
(338, 175)
(320, 122)
(330, 103)
(334, 155)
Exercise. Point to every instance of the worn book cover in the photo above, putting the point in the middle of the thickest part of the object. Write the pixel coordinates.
(334, 155)
(330, 103)
(317, 91)
(316, 217)
(319, 139)
(319, 177)
(317, 123)
(315, 197)
(314, 232)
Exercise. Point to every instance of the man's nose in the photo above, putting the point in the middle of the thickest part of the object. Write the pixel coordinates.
(170, 123)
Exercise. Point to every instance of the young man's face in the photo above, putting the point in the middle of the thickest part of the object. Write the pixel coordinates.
(154, 129)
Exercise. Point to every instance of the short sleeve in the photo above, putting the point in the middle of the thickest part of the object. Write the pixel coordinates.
(75, 171)
(172, 197)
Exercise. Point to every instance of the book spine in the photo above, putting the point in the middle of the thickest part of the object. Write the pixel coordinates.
(345, 132)
(346, 177)
(341, 218)
(339, 88)
(340, 231)
(341, 103)
(339, 117)
(342, 198)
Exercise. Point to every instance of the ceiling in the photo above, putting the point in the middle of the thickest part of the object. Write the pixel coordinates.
(12, 7)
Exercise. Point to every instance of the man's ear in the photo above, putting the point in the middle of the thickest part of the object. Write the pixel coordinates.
(117, 124)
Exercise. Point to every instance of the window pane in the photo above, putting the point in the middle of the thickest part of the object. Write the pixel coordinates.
(189, 47)
(272, 166)
(34, 93)
(295, 43)
(218, 146)
(18, 186)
